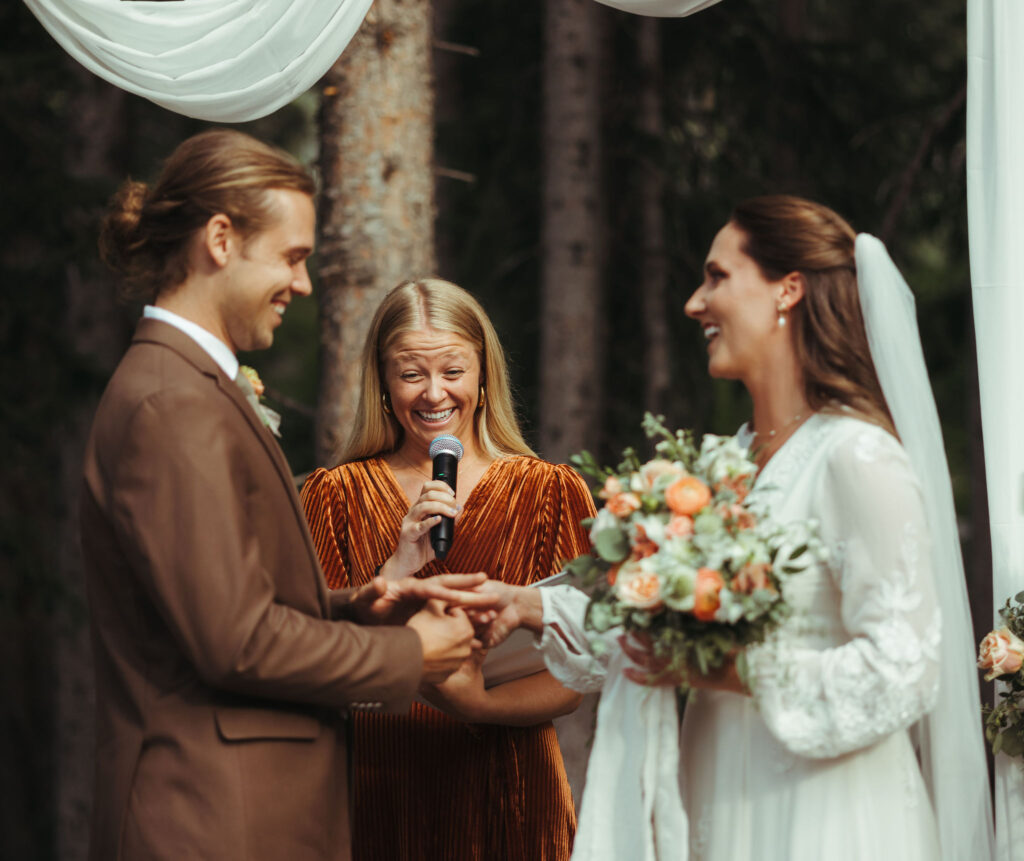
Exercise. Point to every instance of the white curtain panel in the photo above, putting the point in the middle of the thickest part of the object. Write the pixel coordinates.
(220, 60)
(995, 206)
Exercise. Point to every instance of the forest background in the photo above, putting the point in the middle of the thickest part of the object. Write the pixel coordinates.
(567, 163)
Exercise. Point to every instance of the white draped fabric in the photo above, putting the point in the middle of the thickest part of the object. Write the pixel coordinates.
(221, 60)
(995, 206)
(226, 61)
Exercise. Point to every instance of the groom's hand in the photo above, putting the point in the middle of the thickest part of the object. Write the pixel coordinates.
(394, 602)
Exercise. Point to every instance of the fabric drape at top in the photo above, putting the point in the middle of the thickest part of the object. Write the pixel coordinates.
(227, 61)
(219, 60)
(424, 785)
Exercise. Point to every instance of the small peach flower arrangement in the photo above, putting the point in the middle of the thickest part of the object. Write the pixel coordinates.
(1002, 654)
(681, 550)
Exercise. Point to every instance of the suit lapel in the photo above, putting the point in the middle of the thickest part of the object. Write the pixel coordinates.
(159, 332)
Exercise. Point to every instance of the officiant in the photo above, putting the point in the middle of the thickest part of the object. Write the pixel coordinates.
(432, 364)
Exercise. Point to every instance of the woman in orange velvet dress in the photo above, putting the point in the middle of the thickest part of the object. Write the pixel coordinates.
(480, 775)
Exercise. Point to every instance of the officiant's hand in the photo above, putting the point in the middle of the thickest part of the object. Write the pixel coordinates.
(393, 602)
(414, 551)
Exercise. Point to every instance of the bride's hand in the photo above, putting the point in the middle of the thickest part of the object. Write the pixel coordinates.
(414, 551)
(653, 671)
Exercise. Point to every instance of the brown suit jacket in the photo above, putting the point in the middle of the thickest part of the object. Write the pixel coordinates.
(220, 674)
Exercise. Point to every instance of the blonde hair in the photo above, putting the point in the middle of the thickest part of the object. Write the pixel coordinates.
(784, 234)
(145, 234)
(431, 303)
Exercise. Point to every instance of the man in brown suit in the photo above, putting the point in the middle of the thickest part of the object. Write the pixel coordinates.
(223, 663)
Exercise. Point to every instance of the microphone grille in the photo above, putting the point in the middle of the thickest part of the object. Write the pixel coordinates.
(446, 443)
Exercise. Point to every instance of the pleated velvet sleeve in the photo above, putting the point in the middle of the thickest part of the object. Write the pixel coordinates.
(325, 512)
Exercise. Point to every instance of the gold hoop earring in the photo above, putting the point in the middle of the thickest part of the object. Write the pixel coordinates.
(482, 400)
(385, 403)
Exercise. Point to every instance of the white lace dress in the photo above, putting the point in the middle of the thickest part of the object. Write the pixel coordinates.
(820, 763)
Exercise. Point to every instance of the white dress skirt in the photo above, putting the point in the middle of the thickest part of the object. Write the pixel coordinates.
(820, 762)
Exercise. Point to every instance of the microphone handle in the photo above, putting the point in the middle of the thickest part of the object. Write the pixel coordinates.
(445, 469)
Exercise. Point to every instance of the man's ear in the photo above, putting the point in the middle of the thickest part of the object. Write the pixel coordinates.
(219, 239)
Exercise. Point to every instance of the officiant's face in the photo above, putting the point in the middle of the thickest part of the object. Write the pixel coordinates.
(736, 307)
(433, 380)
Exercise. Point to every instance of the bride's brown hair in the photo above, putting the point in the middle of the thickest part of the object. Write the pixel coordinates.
(784, 234)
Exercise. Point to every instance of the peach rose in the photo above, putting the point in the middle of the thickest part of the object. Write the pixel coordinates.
(705, 593)
(1001, 653)
(679, 526)
(612, 487)
(623, 504)
(651, 471)
(638, 588)
(687, 496)
(752, 577)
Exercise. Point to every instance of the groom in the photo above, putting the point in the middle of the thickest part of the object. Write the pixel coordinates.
(223, 663)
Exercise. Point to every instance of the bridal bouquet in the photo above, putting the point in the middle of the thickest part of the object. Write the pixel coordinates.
(1002, 654)
(679, 553)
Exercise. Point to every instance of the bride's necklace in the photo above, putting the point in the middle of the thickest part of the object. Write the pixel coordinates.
(769, 436)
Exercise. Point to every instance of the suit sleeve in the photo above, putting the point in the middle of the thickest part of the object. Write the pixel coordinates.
(200, 516)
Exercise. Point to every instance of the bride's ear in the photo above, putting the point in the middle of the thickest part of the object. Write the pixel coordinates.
(792, 289)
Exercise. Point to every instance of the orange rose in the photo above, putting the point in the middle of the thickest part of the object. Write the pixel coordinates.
(623, 504)
(1001, 653)
(705, 593)
(687, 496)
(751, 578)
(612, 574)
(679, 526)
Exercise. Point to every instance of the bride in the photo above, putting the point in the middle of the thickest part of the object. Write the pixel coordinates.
(859, 737)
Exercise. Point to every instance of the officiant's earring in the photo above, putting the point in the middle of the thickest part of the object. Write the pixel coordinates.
(783, 311)
(385, 402)
(482, 400)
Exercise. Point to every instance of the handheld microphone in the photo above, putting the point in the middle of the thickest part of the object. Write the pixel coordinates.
(445, 452)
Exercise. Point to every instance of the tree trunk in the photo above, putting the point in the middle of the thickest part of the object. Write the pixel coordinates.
(377, 202)
(650, 192)
(97, 334)
(571, 233)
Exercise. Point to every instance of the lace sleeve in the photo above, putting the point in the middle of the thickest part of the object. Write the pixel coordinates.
(827, 701)
(564, 643)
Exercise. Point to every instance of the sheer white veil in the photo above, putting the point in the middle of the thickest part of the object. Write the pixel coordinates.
(950, 742)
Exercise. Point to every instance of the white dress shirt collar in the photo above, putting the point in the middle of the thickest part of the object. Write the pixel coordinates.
(218, 350)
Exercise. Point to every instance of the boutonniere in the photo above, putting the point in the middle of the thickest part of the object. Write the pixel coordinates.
(252, 387)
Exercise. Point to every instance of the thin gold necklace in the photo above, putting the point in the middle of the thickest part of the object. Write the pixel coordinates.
(413, 466)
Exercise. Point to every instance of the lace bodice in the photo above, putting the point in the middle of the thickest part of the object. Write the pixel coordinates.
(858, 659)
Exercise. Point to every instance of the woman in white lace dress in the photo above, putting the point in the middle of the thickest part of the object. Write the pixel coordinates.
(859, 736)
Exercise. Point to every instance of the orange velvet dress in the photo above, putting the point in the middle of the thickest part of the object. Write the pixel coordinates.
(426, 786)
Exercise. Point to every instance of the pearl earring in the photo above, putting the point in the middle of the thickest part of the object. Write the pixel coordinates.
(783, 310)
